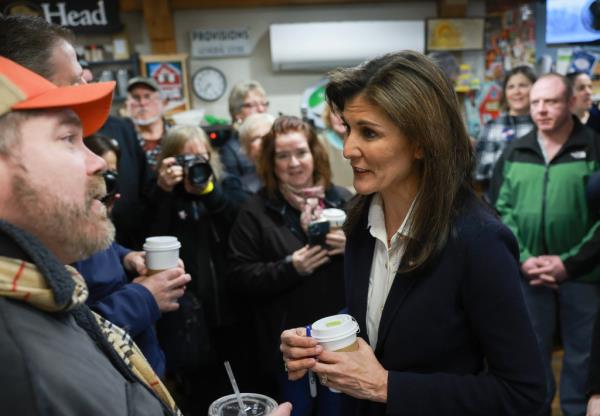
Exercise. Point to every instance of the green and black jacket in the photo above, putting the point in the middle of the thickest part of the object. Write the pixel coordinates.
(545, 206)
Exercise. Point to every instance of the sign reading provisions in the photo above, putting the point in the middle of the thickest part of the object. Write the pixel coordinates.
(215, 43)
(81, 16)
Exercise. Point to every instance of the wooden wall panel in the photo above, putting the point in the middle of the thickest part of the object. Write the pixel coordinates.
(452, 8)
(159, 23)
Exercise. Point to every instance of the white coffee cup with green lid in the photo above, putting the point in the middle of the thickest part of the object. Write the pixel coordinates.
(336, 332)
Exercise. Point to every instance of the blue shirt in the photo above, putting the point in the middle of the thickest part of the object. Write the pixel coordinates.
(128, 305)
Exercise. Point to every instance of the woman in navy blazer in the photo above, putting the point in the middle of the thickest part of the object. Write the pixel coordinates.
(432, 276)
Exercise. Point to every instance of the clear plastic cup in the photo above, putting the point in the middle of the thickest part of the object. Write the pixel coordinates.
(256, 405)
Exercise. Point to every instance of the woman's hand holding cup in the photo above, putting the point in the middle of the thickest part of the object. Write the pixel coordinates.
(358, 374)
(336, 242)
(307, 259)
(299, 352)
(169, 174)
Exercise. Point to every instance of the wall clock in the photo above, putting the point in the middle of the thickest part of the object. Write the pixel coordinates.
(209, 84)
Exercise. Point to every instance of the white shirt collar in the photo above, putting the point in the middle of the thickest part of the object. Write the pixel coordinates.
(376, 221)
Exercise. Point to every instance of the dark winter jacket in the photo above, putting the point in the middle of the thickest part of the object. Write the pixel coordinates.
(201, 223)
(266, 233)
(60, 363)
(134, 183)
(455, 335)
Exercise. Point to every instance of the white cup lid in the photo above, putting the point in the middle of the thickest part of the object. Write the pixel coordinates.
(334, 215)
(334, 327)
(162, 243)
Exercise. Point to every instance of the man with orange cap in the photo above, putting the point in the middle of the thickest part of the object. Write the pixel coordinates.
(57, 357)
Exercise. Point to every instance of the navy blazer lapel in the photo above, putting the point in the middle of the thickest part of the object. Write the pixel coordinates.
(358, 259)
(403, 283)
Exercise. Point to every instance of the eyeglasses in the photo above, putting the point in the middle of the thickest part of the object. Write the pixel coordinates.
(263, 104)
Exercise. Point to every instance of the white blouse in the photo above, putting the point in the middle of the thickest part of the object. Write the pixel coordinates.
(385, 263)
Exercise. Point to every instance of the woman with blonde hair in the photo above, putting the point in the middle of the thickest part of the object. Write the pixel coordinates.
(251, 132)
(191, 204)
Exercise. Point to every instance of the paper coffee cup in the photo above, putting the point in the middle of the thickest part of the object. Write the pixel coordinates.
(336, 217)
(162, 253)
(256, 405)
(336, 333)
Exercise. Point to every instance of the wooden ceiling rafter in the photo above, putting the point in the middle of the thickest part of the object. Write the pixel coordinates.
(137, 5)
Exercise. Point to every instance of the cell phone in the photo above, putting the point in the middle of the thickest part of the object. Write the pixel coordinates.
(317, 231)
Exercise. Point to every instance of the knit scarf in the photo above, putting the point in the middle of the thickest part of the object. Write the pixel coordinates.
(308, 200)
(23, 281)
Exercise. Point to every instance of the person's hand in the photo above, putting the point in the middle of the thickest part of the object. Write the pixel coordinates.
(533, 263)
(336, 242)
(169, 174)
(284, 409)
(135, 262)
(299, 352)
(530, 264)
(593, 406)
(356, 373)
(307, 259)
(166, 287)
(550, 271)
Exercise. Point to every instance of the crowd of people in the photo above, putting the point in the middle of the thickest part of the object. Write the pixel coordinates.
(460, 297)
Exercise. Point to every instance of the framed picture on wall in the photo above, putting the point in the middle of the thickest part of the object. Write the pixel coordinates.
(459, 34)
(170, 73)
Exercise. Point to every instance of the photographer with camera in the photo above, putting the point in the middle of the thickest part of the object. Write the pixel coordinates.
(287, 260)
(191, 204)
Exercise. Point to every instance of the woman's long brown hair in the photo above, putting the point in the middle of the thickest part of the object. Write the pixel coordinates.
(419, 98)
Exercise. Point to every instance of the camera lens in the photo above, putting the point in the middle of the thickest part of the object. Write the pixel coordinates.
(111, 179)
(199, 174)
(195, 168)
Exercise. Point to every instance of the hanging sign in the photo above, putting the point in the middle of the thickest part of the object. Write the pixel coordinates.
(81, 16)
(216, 43)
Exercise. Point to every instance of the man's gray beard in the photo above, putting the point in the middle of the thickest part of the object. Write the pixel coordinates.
(145, 122)
(77, 232)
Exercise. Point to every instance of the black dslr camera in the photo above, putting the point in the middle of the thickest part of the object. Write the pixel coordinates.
(111, 179)
(195, 168)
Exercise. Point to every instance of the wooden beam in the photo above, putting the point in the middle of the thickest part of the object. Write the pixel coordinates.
(130, 5)
(136, 5)
(452, 8)
(159, 23)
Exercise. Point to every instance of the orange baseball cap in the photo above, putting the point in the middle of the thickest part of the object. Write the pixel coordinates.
(22, 89)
